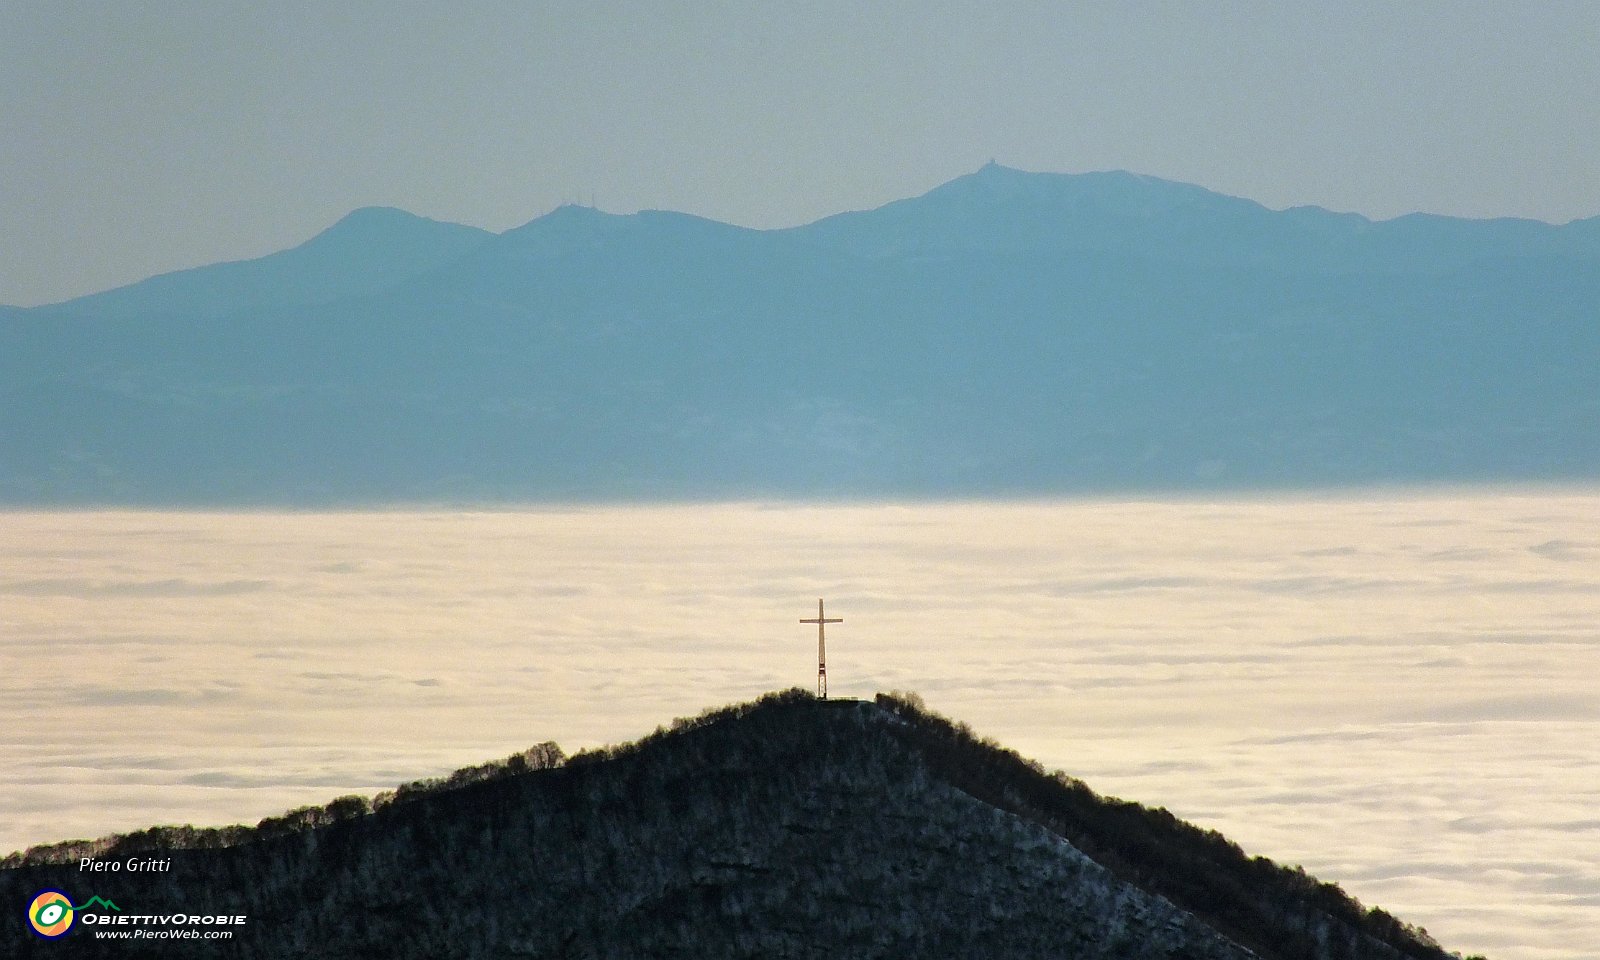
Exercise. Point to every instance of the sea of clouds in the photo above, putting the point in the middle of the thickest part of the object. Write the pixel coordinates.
(1395, 690)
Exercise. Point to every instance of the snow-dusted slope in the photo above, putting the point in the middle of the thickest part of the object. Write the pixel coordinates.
(789, 827)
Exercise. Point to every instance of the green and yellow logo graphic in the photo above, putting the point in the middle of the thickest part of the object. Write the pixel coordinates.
(51, 912)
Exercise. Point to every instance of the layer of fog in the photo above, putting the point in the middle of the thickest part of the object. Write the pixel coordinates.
(1396, 692)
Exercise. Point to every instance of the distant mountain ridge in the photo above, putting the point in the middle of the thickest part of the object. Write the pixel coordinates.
(1007, 333)
(785, 827)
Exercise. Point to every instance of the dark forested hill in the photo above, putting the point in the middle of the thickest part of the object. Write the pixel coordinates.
(1007, 333)
(790, 827)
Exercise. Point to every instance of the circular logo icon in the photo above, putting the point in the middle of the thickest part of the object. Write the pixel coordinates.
(50, 914)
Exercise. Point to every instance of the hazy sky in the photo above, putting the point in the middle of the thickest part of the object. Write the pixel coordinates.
(142, 137)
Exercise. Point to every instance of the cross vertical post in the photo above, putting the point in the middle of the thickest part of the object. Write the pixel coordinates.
(822, 649)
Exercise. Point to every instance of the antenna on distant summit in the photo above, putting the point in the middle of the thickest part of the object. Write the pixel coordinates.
(822, 649)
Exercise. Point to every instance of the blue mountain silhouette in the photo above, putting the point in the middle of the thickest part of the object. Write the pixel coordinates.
(1007, 333)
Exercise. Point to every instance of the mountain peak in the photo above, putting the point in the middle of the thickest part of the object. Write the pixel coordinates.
(1112, 192)
(577, 213)
(377, 218)
(998, 208)
(366, 251)
(391, 226)
(565, 219)
(995, 169)
(571, 228)
(379, 214)
(993, 175)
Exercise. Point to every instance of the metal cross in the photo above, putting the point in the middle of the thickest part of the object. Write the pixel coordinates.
(822, 649)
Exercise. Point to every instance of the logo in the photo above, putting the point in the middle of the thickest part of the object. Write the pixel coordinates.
(51, 912)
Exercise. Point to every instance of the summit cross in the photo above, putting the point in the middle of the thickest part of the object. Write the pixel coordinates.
(822, 649)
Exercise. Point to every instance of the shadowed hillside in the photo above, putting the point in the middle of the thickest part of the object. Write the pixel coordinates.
(785, 827)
